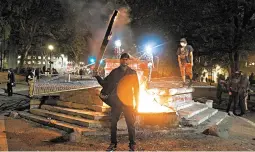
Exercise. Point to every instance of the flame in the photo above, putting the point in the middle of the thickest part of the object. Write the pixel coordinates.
(151, 101)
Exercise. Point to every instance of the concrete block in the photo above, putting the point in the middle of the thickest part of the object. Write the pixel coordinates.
(192, 110)
(201, 117)
(55, 123)
(209, 103)
(14, 115)
(34, 103)
(76, 136)
(86, 96)
(216, 119)
(157, 119)
(70, 119)
(76, 112)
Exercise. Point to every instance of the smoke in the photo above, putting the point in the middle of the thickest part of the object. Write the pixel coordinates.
(93, 16)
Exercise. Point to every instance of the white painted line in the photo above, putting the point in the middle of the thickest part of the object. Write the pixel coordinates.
(3, 140)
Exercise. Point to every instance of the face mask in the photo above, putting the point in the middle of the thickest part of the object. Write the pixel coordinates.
(183, 44)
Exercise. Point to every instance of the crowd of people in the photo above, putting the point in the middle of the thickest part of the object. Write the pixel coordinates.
(238, 87)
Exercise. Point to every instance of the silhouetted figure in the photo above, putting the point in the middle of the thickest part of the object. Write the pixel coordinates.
(11, 82)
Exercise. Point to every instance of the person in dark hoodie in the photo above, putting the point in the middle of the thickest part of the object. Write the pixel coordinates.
(120, 90)
(11, 82)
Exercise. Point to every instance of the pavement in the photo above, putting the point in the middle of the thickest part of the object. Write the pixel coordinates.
(3, 139)
(21, 86)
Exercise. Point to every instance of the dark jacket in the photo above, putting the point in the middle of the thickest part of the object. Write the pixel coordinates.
(11, 77)
(184, 54)
(244, 84)
(234, 83)
(30, 76)
(122, 83)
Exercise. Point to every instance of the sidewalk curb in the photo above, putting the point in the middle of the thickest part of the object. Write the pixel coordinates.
(248, 121)
(3, 140)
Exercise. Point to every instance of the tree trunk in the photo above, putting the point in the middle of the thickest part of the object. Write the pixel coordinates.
(234, 61)
(23, 57)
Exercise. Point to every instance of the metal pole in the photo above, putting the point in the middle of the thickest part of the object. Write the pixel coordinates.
(50, 62)
(69, 77)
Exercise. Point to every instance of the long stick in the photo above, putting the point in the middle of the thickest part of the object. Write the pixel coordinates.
(105, 41)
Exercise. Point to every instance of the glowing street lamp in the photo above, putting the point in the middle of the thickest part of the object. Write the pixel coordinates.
(117, 46)
(92, 60)
(51, 47)
(148, 49)
(118, 43)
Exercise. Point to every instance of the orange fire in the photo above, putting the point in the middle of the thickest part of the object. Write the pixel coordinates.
(151, 101)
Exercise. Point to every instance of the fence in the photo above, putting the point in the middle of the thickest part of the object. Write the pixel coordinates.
(51, 84)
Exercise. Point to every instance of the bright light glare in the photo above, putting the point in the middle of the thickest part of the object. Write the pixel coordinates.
(118, 43)
(51, 47)
(148, 49)
(92, 60)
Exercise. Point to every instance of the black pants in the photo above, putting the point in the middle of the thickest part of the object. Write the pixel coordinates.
(219, 94)
(233, 98)
(130, 121)
(9, 89)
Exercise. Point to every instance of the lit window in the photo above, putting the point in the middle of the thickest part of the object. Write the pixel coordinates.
(33, 61)
(18, 61)
(48, 58)
(19, 57)
(44, 57)
(54, 58)
(39, 62)
(28, 57)
(43, 62)
(29, 62)
(39, 57)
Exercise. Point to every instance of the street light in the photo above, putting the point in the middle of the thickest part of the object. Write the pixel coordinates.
(148, 49)
(50, 47)
(117, 46)
(92, 60)
(118, 43)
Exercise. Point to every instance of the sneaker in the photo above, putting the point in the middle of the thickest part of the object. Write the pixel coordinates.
(132, 147)
(112, 147)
